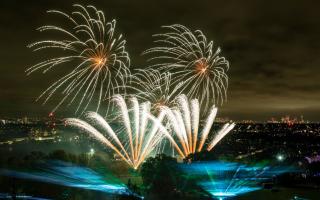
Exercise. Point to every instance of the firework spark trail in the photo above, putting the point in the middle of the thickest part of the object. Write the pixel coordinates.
(176, 128)
(184, 121)
(187, 118)
(205, 131)
(195, 110)
(153, 86)
(156, 88)
(99, 121)
(133, 144)
(101, 63)
(84, 126)
(220, 135)
(194, 60)
(166, 133)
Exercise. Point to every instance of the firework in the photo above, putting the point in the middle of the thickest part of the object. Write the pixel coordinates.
(155, 87)
(191, 58)
(98, 64)
(184, 122)
(142, 131)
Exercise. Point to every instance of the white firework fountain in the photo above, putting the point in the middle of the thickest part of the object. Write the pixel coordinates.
(140, 134)
(184, 120)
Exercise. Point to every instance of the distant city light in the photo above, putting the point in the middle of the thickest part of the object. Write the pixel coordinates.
(91, 152)
(280, 157)
(51, 114)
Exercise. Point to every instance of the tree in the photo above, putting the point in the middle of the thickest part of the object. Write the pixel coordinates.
(59, 155)
(159, 175)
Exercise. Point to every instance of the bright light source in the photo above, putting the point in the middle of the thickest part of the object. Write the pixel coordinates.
(91, 151)
(280, 157)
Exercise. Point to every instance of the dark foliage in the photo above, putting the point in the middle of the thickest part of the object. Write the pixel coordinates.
(159, 175)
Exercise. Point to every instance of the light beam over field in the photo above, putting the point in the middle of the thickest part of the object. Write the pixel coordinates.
(66, 174)
(225, 180)
(96, 63)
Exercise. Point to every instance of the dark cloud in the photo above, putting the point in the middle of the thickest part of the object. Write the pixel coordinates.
(273, 47)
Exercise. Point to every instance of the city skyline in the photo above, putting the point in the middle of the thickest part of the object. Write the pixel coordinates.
(271, 47)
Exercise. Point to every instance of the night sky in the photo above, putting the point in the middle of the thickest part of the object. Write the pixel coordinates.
(273, 47)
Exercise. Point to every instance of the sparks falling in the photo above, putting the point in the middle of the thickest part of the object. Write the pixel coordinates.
(156, 88)
(99, 59)
(184, 122)
(191, 58)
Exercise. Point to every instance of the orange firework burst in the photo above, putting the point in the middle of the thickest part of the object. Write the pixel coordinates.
(101, 63)
(191, 58)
